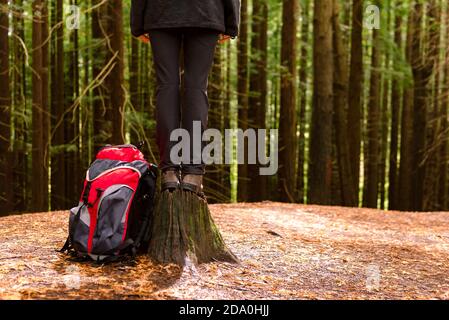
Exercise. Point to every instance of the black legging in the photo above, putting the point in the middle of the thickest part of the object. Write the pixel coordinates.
(198, 46)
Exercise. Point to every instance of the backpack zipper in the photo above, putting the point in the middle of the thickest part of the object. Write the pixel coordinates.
(110, 170)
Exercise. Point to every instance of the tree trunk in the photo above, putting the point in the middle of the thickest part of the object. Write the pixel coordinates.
(287, 117)
(404, 185)
(419, 111)
(38, 164)
(443, 191)
(213, 180)
(302, 121)
(71, 122)
(58, 193)
(227, 120)
(320, 166)
(395, 109)
(152, 103)
(183, 229)
(242, 95)
(370, 195)
(116, 77)
(147, 99)
(384, 119)
(422, 69)
(258, 91)
(432, 70)
(355, 91)
(261, 116)
(336, 192)
(6, 191)
(101, 125)
(349, 196)
(86, 104)
(45, 105)
(20, 161)
(136, 111)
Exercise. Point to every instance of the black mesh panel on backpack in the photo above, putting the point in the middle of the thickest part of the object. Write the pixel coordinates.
(142, 209)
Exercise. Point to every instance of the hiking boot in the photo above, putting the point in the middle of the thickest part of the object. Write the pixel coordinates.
(170, 180)
(193, 183)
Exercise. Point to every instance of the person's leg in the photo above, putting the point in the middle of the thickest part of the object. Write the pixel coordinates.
(166, 46)
(199, 49)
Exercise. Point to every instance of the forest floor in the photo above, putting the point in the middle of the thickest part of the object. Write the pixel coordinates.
(286, 251)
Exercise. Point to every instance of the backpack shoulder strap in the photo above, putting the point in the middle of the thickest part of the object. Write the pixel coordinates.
(67, 246)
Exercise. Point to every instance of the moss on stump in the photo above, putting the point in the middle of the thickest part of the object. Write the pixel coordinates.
(183, 227)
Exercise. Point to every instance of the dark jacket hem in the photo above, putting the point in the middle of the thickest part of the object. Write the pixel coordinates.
(208, 25)
(220, 15)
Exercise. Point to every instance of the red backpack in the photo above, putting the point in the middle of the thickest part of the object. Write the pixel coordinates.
(114, 212)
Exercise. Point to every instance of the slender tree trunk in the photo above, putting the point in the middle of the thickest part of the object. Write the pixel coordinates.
(320, 166)
(86, 116)
(6, 191)
(443, 191)
(143, 76)
(355, 91)
(134, 92)
(432, 70)
(227, 120)
(45, 105)
(405, 181)
(258, 91)
(395, 110)
(213, 180)
(221, 114)
(274, 124)
(263, 76)
(147, 97)
(71, 120)
(38, 165)
(242, 95)
(371, 188)
(336, 192)
(341, 79)
(384, 119)
(20, 161)
(303, 78)
(116, 77)
(152, 103)
(422, 69)
(419, 111)
(57, 106)
(101, 123)
(287, 118)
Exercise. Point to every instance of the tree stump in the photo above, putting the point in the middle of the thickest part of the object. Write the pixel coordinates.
(183, 228)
